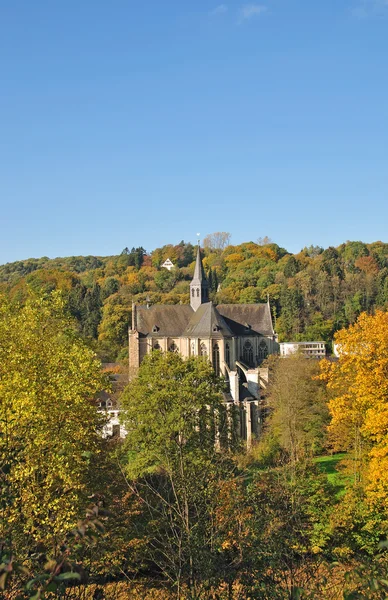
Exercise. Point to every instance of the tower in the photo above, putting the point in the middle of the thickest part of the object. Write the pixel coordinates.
(199, 287)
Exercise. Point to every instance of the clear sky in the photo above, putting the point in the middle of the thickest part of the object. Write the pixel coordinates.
(127, 123)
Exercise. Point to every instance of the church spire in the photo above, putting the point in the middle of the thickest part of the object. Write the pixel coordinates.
(199, 287)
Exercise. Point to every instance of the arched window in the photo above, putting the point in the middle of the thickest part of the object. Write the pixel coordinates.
(192, 349)
(227, 354)
(248, 353)
(193, 292)
(216, 359)
(203, 349)
(156, 346)
(173, 347)
(197, 292)
(263, 350)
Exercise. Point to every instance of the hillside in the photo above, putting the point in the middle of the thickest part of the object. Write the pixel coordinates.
(312, 293)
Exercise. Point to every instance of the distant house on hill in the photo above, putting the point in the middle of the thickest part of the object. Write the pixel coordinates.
(168, 264)
(236, 338)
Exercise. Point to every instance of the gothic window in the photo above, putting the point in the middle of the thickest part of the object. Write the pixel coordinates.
(227, 354)
(193, 292)
(157, 346)
(203, 350)
(263, 350)
(197, 292)
(216, 359)
(248, 354)
(173, 347)
(192, 349)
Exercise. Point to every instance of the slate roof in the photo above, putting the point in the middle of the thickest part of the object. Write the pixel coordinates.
(171, 320)
(206, 322)
(199, 273)
(239, 316)
(225, 320)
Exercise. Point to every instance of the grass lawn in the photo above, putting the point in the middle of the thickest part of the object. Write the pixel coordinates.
(330, 465)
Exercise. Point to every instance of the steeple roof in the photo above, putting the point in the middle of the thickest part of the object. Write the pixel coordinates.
(199, 273)
(199, 287)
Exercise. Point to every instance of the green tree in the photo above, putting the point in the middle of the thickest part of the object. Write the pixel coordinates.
(292, 267)
(173, 465)
(92, 312)
(297, 401)
(111, 286)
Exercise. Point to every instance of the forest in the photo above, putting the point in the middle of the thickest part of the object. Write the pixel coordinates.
(313, 293)
(176, 510)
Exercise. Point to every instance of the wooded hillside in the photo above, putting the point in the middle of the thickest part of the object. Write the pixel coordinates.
(313, 293)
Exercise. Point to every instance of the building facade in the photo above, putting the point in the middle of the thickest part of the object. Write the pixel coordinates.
(307, 349)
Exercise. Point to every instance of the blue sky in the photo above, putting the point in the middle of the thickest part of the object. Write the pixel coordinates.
(128, 123)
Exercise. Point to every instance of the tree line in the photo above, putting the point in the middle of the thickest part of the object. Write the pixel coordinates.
(313, 293)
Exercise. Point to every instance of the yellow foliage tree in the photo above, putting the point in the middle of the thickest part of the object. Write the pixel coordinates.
(234, 259)
(48, 420)
(359, 404)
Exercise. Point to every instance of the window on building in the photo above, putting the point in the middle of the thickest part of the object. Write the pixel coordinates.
(157, 346)
(248, 353)
(216, 359)
(192, 349)
(203, 349)
(263, 350)
(173, 347)
(227, 354)
(192, 292)
(197, 292)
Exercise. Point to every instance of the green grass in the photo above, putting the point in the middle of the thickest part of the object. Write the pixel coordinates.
(330, 465)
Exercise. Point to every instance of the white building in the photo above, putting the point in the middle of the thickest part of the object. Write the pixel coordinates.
(107, 402)
(308, 349)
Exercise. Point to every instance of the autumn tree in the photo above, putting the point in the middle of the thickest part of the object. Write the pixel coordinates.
(48, 421)
(358, 383)
(113, 328)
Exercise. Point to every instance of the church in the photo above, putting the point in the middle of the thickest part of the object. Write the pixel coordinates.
(236, 338)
